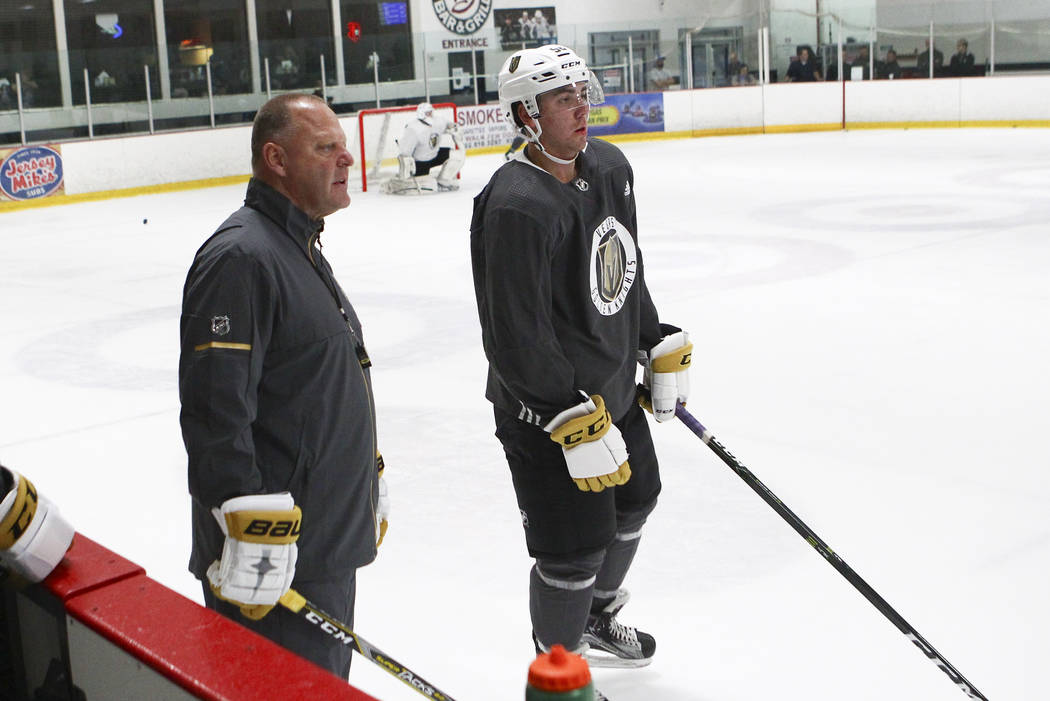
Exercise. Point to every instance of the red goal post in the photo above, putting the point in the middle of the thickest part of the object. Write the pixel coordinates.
(377, 132)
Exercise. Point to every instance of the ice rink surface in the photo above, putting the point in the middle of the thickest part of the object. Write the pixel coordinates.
(870, 313)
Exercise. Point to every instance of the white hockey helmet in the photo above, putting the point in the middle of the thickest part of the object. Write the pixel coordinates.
(531, 72)
(425, 112)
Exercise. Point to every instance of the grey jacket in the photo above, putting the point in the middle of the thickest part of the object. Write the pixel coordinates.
(275, 387)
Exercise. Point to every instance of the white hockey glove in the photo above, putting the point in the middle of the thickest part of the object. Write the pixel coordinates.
(667, 375)
(382, 504)
(593, 447)
(33, 535)
(258, 557)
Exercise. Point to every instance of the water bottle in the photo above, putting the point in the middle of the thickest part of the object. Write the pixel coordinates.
(559, 676)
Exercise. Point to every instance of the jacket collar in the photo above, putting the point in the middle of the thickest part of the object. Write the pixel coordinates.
(284, 213)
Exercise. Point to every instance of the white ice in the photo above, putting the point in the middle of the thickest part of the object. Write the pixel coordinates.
(870, 312)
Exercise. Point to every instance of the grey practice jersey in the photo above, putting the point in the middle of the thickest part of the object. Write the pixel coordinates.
(560, 285)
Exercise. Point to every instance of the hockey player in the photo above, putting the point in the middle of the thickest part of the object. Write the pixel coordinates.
(33, 535)
(427, 142)
(565, 315)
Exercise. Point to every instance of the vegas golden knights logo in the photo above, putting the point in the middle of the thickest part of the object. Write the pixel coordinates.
(614, 264)
(610, 266)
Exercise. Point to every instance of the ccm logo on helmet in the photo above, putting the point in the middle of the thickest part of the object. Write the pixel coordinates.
(570, 64)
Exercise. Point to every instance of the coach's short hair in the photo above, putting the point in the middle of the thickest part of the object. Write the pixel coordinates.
(273, 119)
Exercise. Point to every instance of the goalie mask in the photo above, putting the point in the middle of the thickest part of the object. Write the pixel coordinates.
(529, 73)
(425, 113)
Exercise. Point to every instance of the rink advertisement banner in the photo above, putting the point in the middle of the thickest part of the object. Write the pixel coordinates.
(30, 172)
(627, 114)
(483, 126)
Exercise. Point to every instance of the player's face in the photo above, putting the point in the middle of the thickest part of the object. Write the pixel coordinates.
(563, 117)
(317, 163)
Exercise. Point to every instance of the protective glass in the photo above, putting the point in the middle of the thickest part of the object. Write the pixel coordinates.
(571, 97)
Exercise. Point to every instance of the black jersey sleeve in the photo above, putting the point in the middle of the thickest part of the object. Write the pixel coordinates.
(512, 259)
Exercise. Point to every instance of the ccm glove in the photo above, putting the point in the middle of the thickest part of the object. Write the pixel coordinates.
(667, 375)
(382, 503)
(593, 447)
(33, 535)
(258, 557)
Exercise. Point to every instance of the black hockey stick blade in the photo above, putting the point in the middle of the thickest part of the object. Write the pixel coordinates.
(297, 603)
(828, 554)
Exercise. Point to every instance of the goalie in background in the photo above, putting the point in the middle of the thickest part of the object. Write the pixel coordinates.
(428, 141)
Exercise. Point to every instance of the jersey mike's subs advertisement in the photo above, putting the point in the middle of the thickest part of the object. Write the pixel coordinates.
(30, 172)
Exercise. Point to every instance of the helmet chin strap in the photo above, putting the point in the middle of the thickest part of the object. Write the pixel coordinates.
(534, 137)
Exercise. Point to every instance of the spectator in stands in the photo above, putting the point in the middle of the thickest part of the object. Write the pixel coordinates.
(922, 63)
(889, 69)
(962, 60)
(732, 68)
(863, 61)
(743, 76)
(8, 98)
(802, 68)
(277, 411)
(659, 77)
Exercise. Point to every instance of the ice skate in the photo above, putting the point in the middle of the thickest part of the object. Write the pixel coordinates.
(612, 644)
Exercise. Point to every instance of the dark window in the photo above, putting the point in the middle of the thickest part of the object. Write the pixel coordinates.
(27, 47)
(202, 31)
(294, 37)
(385, 29)
(113, 39)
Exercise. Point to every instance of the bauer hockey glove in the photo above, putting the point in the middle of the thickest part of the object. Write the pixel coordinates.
(667, 375)
(258, 557)
(593, 447)
(382, 503)
(33, 535)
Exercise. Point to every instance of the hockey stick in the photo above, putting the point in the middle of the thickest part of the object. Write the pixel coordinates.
(821, 547)
(297, 603)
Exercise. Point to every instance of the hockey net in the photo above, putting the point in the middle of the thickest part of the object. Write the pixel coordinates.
(377, 133)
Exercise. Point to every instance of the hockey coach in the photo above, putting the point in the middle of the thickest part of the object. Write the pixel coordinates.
(274, 380)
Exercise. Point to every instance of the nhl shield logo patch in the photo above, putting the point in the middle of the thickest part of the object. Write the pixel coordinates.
(220, 325)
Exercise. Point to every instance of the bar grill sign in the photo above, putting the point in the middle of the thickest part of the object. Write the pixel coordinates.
(462, 16)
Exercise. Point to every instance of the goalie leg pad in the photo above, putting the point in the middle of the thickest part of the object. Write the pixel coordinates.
(406, 167)
(450, 169)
